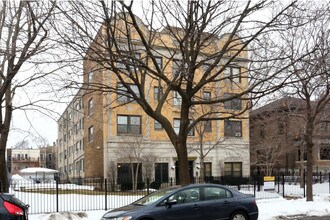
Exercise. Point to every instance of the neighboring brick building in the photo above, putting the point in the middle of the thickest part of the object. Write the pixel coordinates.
(111, 123)
(276, 131)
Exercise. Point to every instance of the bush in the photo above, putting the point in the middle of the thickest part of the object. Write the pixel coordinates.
(128, 186)
(155, 185)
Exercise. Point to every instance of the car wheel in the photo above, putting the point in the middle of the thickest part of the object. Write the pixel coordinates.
(239, 215)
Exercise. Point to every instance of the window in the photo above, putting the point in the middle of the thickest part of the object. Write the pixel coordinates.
(302, 154)
(159, 61)
(77, 146)
(129, 60)
(325, 152)
(90, 106)
(207, 169)
(177, 67)
(233, 169)
(161, 172)
(176, 126)
(124, 95)
(70, 134)
(207, 95)
(177, 99)
(232, 74)
(124, 172)
(78, 105)
(90, 133)
(325, 125)
(90, 76)
(158, 92)
(205, 67)
(233, 104)
(81, 122)
(157, 125)
(233, 128)
(213, 193)
(207, 126)
(128, 124)
(186, 196)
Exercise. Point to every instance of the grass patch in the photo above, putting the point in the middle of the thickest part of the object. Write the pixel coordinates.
(52, 191)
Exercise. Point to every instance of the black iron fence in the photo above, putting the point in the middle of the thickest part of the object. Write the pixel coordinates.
(101, 194)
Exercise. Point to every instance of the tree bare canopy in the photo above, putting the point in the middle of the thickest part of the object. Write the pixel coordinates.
(310, 75)
(183, 49)
(23, 33)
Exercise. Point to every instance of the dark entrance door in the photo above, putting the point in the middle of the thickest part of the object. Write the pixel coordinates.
(191, 171)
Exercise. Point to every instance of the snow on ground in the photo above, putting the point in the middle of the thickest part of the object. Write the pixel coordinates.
(269, 209)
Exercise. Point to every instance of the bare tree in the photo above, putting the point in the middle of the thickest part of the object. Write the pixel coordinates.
(203, 147)
(132, 152)
(311, 74)
(210, 35)
(23, 144)
(112, 169)
(23, 34)
(148, 163)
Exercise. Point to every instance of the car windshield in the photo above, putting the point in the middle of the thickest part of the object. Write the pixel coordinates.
(153, 196)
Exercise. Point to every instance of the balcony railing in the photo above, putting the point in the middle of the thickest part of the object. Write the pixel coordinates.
(27, 160)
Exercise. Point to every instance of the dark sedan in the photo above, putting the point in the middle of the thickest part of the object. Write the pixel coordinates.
(191, 202)
(12, 208)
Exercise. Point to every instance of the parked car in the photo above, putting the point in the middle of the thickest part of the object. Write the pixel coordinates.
(12, 208)
(191, 202)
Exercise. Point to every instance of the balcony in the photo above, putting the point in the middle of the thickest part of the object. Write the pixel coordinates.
(26, 160)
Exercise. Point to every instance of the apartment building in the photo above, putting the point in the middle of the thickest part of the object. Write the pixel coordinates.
(112, 122)
(48, 157)
(20, 158)
(276, 131)
(70, 142)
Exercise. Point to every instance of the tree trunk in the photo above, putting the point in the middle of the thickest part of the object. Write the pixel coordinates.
(3, 142)
(309, 176)
(183, 164)
(136, 176)
(302, 167)
(201, 158)
(4, 175)
(133, 176)
(202, 168)
(309, 148)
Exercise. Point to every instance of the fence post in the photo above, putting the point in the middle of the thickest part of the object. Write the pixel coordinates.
(171, 181)
(278, 183)
(57, 196)
(304, 183)
(283, 183)
(106, 194)
(254, 186)
(148, 185)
